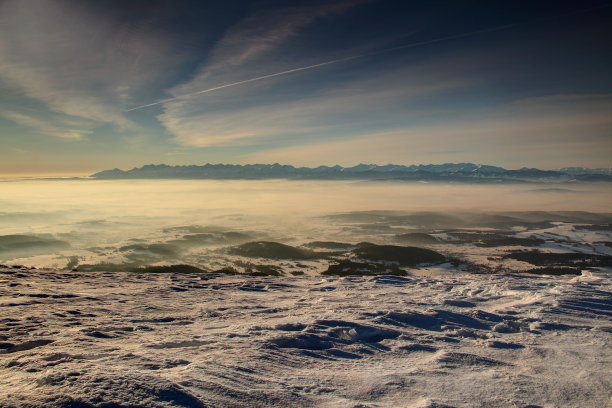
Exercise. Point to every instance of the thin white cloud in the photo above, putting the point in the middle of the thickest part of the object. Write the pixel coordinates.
(70, 130)
(514, 135)
(339, 109)
(235, 56)
(245, 50)
(76, 61)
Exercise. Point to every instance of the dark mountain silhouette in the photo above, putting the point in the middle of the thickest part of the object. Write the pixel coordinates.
(431, 172)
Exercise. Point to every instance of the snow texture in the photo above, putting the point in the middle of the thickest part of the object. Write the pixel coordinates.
(102, 339)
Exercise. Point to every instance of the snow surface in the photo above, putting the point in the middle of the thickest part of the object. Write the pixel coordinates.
(448, 339)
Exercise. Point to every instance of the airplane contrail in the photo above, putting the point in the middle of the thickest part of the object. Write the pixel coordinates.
(244, 82)
(321, 64)
(336, 61)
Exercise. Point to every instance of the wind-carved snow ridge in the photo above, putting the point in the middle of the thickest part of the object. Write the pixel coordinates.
(104, 339)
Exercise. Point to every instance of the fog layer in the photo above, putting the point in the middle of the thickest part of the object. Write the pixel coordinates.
(59, 223)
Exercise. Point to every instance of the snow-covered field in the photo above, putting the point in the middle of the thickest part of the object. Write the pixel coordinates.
(193, 340)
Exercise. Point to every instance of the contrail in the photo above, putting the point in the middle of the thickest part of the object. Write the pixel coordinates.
(321, 64)
(369, 54)
(245, 82)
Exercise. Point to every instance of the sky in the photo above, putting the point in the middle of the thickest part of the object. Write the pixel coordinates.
(91, 85)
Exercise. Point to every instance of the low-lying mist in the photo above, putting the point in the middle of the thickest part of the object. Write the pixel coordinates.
(70, 223)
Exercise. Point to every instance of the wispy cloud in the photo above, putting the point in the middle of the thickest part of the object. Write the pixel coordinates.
(237, 55)
(70, 130)
(335, 111)
(545, 130)
(77, 61)
(246, 49)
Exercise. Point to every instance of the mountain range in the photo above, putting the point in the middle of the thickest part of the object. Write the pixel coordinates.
(426, 172)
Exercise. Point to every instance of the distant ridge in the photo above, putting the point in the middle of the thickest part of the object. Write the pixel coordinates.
(468, 172)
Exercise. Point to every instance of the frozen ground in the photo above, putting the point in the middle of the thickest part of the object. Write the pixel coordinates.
(450, 339)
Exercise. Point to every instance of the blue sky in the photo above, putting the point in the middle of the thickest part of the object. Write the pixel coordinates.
(505, 83)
